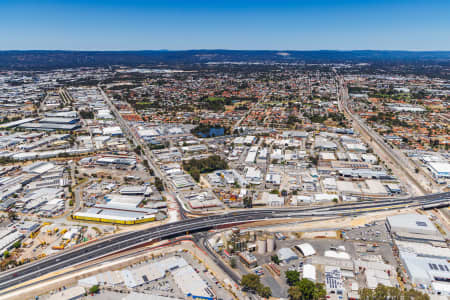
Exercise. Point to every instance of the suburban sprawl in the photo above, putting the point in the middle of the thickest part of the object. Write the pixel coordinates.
(224, 180)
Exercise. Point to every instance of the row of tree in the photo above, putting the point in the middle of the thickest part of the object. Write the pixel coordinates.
(382, 292)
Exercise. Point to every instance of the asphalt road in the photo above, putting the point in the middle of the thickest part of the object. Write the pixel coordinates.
(128, 240)
(400, 160)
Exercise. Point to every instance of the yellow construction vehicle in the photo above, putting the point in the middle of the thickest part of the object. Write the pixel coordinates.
(61, 246)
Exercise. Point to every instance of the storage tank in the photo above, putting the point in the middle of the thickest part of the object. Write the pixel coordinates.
(261, 246)
(252, 236)
(270, 244)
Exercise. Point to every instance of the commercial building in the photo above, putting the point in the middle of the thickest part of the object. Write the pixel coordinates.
(333, 281)
(425, 270)
(306, 249)
(439, 169)
(285, 255)
(309, 272)
(134, 190)
(248, 259)
(50, 126)
(107, 214)
(272, 200)
(411, 223)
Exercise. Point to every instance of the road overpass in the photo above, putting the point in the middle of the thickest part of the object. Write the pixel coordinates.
(128, 240)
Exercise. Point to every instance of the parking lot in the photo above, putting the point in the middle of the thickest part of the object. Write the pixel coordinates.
(373, 232)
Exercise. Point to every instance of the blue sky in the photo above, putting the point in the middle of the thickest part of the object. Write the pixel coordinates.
(229, 24)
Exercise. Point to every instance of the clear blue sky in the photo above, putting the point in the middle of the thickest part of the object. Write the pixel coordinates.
(228, 24)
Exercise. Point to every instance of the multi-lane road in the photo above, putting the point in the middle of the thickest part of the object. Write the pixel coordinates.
(120, 242)
(132, 239)
(399, 160)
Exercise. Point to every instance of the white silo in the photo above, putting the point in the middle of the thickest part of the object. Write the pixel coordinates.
(270, 244)
(261, 245)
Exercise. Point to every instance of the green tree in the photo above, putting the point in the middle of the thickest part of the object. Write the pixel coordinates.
(319, 291)
(295, 293)
(264, 291)
(307, 288)
(159, 184)
(233, 262)
(292, 277)
(17, 244)
(12, 215)
(275, 259)
(94, 289)
(250, 282)
(382, 292)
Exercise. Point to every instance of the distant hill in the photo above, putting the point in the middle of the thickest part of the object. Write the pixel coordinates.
(43, 60)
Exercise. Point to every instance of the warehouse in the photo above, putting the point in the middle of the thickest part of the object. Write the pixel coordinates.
(333, 281)
(424, 270)
(112, 131)
(17, 123)
(191, 284)
(286, 255)
(134, 190)
(50, 126)
(251, 155)
(439, 169)
(114, 216)
(306, 249)
(59, 120)
(411, 223)
(272, 200)
(8, 238)
(253, 175)
(148, 133)
(309, 272)
(126, 201)
(128, 161)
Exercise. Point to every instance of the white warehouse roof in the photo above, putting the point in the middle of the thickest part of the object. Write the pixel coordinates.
(306, 249)
(334, 254)
(411, 223)
(309, 272)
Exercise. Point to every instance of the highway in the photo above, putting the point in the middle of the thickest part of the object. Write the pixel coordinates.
(128, 240)
(399, 160)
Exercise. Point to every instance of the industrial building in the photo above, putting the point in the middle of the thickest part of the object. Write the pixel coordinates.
(114, 216)
(413, 227)
(426, 270)
(306, 249)
(309, 272)
(333, 281)
(285, 255)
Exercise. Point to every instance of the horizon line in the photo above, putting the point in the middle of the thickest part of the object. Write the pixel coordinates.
(219, 49)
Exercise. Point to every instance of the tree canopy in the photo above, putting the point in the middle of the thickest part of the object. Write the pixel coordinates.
(382, 292)
(252, 283)
(196, 166)
(305, 289)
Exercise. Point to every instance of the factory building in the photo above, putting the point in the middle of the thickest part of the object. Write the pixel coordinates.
(427, 270)
(413, 227)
